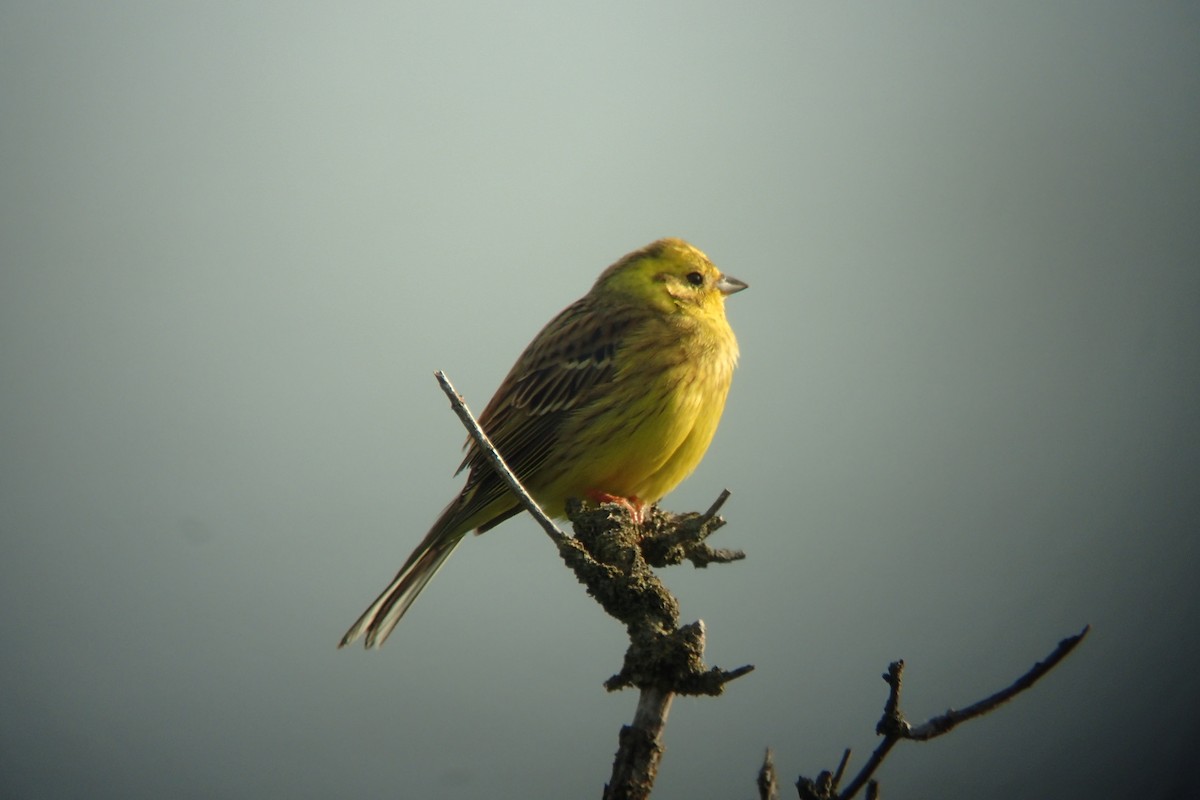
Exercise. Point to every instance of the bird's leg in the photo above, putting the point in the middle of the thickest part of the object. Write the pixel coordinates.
(635, 507)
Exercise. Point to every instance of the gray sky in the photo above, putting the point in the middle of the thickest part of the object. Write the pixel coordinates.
(237, 240)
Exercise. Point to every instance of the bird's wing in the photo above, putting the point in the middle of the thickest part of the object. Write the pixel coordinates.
(561, 369)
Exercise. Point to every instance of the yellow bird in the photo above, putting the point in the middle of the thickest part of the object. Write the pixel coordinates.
(616, 399)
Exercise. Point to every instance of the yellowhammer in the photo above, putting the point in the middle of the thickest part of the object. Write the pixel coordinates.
(616, 399)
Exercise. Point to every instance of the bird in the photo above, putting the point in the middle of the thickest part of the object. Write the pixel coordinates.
(615, 400)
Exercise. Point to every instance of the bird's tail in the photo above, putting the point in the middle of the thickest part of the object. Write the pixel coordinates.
(382, 615)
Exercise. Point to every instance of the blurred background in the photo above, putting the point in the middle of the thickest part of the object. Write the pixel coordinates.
(236, 241)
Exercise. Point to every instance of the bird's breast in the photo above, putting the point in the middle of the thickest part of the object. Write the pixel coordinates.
(648, 429)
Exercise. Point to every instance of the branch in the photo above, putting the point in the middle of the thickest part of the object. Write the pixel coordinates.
(768, 786)
(893, 726)
(672, 539)
(938, 725)
(497, 461)
(611, 555)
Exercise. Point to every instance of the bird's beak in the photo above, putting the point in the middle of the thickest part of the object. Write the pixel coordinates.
(728, 285)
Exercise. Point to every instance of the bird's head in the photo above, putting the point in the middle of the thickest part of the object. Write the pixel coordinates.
(672, 276)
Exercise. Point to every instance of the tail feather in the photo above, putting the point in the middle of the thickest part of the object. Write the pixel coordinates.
(383, 615)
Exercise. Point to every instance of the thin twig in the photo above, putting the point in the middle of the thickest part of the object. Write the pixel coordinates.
(768, 786)
(869, 768)
(944, 722)
(894, 727)
(715, 507)
(841, 770)
(497, 461)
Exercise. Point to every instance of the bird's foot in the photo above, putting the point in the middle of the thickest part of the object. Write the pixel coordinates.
(635, 507)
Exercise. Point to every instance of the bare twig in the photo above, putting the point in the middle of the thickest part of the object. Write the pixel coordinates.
(497, 461)
(768, 787)
(716, 506)
(841, 770)
(942, 723)
(893, 726)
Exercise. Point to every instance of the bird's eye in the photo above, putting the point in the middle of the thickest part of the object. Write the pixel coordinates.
(695, 279)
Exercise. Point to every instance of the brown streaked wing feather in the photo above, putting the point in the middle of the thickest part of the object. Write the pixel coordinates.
(568, 360)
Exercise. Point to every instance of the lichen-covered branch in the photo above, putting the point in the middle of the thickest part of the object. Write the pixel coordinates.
(609, 556)
(612, 556)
